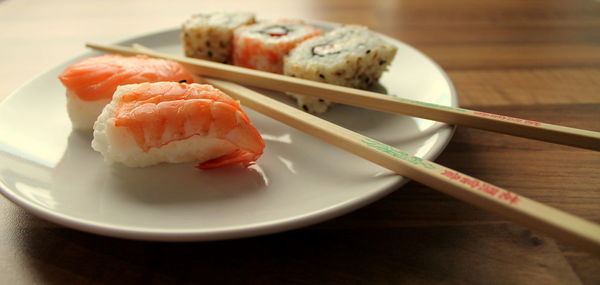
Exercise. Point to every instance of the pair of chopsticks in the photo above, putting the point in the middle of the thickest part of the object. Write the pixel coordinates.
(536, 215)
(376, 101)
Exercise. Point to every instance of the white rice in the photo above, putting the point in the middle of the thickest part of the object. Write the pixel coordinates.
(117, 144)
(82, 113)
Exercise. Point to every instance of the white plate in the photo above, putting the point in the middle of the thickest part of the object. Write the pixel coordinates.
(53, 172)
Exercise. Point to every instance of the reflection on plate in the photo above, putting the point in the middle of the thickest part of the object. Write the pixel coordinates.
(53, 172)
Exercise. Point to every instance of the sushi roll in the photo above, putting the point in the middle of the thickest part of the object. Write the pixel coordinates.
(209, 35)
(262, 46)
(351, 56)
(151, 123)
(91, 82)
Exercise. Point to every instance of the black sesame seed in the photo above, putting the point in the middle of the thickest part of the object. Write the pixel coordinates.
(368, 51)
(210, 53)
(183, 81)
(381, 62)
(305, 108)
(322, 76)
(321, 100)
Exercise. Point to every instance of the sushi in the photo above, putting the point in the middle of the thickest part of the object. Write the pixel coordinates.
(151, 123)
(263, 45)
(351, 56)
(209, 35)
(91, 82)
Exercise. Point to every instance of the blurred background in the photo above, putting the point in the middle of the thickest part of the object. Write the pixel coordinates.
(463, 36)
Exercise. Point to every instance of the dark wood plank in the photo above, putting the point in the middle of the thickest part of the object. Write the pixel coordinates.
(493, 253)
(493, 56)
(527, 87)
(586, 266)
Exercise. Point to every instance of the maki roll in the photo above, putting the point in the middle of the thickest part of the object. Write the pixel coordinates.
(351, 56)
(209, 35)
(262, 46)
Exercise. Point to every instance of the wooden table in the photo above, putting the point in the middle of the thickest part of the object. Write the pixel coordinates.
(538, 60)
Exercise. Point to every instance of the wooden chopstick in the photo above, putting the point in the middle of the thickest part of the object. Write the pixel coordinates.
(556, 223)
(371, 100)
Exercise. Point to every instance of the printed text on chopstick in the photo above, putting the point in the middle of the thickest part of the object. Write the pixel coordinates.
(506, 118)
(479, 185)
(473, 183)
(397, 153)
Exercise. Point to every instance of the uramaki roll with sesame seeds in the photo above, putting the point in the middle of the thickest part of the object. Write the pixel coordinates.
(351, 56)
(263, 45)
(209, 35)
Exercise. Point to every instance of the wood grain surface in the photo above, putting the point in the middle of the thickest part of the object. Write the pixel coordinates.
(538, 60)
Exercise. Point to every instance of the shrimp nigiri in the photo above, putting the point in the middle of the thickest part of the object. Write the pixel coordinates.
(91, 82)
(151, 123)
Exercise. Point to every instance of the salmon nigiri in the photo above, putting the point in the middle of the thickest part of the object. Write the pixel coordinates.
(91, 82)
(150, 123)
